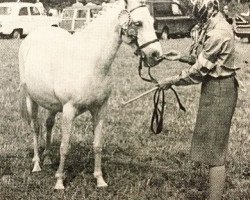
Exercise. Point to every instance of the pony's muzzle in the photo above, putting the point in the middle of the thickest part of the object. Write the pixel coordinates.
(153, 58)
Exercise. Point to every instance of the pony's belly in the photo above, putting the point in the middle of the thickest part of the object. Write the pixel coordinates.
(47, 102)
(44, 97)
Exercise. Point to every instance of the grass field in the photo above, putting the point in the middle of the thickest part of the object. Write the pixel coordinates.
(137, 164)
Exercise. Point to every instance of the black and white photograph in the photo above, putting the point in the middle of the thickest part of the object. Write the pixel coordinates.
(124, 100)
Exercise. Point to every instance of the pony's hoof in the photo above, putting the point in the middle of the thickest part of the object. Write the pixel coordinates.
(47, 161)
(102, 184)
(59, 185)
(36, 168)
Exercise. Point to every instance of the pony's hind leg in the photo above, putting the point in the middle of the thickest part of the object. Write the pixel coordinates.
(49, 126)
(97, 145)
(69, 113)
(33, 112)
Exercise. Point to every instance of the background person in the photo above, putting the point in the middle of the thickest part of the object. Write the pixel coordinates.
(53, 11)
(226, 14)
(214, 67)
(40, 6)
(77, 4)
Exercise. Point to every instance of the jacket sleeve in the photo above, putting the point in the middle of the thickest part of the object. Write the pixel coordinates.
(190, 59)
(205, 63)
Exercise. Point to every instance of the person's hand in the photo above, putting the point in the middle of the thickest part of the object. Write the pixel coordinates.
(172, 55)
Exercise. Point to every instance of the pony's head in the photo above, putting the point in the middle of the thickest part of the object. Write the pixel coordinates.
(138, 30)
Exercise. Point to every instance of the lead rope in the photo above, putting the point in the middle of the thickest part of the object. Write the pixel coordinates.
(159, 95)
(156, 125)
(159, 102)
(158, 112)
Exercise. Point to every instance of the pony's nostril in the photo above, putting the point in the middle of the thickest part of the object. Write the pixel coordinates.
(155, 54)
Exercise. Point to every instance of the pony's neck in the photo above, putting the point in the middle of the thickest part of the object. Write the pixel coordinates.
(102, 36)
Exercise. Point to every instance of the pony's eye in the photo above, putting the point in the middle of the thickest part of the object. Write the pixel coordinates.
(138, 23)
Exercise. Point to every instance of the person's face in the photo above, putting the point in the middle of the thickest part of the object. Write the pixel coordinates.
(225, 9)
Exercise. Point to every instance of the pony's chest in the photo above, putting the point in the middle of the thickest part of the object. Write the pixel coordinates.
(95, 95)
(97, 89)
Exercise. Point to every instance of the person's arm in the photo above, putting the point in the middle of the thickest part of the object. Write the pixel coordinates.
(204, 64)
(190, 59)
(174, 55)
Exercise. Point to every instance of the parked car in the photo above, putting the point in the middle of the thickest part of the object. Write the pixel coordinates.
(242, 26)
(170, 17)
(18, 19)
(76, 18)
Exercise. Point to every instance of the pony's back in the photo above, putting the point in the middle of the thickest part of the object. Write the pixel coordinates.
(41, 40)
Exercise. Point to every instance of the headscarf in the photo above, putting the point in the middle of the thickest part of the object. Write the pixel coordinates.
(203, 11)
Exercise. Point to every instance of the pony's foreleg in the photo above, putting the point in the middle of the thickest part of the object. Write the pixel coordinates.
(98, 115)
(69, 113)
(33, 112)
(49, 126)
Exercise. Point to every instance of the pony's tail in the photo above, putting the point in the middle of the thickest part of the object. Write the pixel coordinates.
(23, 94)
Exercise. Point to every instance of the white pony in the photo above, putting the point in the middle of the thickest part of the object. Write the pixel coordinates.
(71, 73)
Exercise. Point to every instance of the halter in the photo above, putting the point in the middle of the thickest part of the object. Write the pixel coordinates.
(132, 32)
(159, 95)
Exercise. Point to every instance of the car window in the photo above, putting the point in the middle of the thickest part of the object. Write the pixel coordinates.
(23, 11)
(162, 9)
(5, 10)
(81, 14)
(176, 9)
(68, 13)
(34, 11)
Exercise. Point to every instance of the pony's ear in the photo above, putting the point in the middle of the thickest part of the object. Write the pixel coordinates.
(124, 18)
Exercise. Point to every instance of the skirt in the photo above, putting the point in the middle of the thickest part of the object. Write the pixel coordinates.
(216, 107)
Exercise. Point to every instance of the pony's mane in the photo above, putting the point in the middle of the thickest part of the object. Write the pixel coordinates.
(104, 18)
